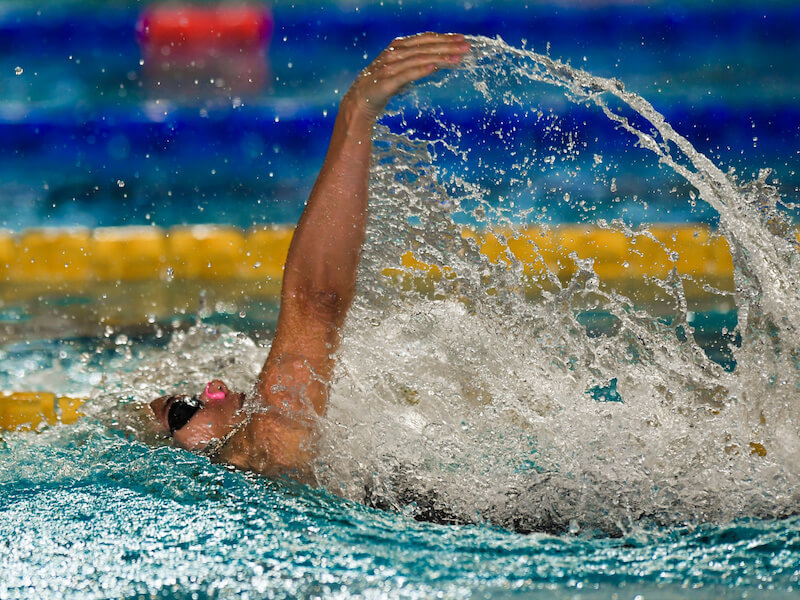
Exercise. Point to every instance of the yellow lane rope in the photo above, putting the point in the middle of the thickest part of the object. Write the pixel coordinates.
(141, 253)
(213, 252)
(32, 410)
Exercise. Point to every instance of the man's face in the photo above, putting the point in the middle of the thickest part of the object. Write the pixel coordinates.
(211, 415)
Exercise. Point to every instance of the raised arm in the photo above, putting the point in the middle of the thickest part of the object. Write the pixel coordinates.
(320, 272)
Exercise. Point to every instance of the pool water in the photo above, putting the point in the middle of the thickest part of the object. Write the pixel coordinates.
(102, 516)
(627, 435)
(93, 511)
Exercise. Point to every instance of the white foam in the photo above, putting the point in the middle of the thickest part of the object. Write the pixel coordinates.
(468, 385)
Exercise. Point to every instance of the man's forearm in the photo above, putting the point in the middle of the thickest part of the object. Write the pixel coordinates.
(325, 250)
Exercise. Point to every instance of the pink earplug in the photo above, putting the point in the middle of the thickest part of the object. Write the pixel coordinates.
(212, 395)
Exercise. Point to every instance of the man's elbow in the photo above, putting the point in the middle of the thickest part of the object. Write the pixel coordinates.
(318, 294)
(329, 304)
(327, 301)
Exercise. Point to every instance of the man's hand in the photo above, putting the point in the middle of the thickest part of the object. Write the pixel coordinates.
(405, 60)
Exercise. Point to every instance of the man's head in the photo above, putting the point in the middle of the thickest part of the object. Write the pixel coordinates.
(194, 421)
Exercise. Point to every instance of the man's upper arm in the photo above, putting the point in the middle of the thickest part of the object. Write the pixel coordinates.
(300, 364)
(293, 386)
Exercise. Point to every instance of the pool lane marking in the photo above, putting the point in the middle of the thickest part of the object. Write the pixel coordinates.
(207, 252)
(217, 252)
(32, 410)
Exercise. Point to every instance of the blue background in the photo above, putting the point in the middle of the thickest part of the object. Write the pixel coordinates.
(79, 120)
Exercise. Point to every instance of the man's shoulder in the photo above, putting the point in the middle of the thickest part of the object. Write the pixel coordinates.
(274, 443)
(293, 383)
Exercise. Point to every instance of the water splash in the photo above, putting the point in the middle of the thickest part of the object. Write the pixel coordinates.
(478, 403)
(478, 393)
(190, 359)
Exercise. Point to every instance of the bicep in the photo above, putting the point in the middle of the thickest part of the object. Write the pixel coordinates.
(300, 362)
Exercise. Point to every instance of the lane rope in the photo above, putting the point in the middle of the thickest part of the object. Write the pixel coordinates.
(26, 411)
(215, 252)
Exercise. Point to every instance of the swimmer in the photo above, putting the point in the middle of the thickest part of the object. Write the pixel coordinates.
(318, 287)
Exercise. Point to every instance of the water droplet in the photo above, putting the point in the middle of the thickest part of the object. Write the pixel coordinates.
(18, 71)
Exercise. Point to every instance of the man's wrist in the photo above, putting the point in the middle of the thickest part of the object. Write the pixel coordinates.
(357, 111)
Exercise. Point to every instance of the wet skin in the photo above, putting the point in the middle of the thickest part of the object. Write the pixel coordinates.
(220, 412)
(318, 283)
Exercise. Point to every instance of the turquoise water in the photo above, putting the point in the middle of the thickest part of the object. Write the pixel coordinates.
(89, 513)
(656, 495)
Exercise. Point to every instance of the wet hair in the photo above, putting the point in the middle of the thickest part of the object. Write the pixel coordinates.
(181, 410)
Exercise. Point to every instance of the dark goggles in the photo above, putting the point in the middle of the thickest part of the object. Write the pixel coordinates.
(181, 410)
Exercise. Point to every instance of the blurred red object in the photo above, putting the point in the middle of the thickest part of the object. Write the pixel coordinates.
(201, 51)
(242, 26)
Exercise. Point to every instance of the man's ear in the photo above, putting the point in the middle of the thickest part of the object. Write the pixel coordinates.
(158, 408)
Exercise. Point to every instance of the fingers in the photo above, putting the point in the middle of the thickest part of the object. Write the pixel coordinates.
(433, 51)
(386, 86)
(406, 60)
(437, 60)
(426, 38)
(434, 43)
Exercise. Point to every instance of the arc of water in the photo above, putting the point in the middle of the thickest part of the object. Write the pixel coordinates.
(766, 265)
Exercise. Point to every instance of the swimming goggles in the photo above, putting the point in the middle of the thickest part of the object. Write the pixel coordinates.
(181, 410)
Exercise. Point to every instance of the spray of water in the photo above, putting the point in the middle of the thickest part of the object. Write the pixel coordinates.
(480, 401)
(478, 393)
